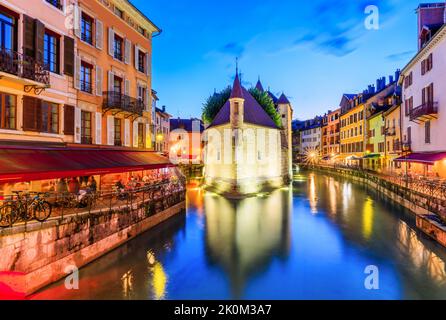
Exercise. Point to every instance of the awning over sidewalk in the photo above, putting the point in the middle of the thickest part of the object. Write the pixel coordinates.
(28, 164)
(424, 158)
(372, 156)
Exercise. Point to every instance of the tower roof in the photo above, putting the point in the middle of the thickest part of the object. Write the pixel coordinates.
(283, 99)
(237, 91)
(259, 86)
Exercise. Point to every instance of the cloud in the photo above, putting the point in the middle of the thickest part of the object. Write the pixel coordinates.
(400, 55)
(233, 48)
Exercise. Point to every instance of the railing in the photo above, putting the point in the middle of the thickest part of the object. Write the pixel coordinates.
(23, 66)
(425, 110)
(151, 198)
(397, 146)
(116, 101)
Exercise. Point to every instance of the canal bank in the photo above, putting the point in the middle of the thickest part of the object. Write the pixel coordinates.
(311, 241)
(43, 253)
(427, 207)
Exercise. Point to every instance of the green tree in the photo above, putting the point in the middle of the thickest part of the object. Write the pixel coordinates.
(265, 101)
(213, 105)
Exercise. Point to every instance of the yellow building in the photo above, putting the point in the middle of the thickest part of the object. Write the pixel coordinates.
(393, 137)
(353, 128)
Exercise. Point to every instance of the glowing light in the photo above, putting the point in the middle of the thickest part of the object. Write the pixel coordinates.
(311, 155)
(159, 137)
(367, 219)
(159, 281)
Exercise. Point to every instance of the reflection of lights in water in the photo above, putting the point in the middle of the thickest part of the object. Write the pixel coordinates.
(421, 256)
(367, 218)
(346, 196)
(333, 195)
(312, 195)
(159, 281)
(127, 283)
(150, 258)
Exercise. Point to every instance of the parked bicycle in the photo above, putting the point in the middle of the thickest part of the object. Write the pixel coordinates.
(25, 207)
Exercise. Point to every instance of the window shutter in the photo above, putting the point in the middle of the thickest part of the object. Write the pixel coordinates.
(69, 120)
(111, 78)
(427, 126)
(28, 36)
(99, 77)
(431, 62)
(99, 34)
(77, 73)
(40, 33)
(423, 96)
(111, 42)
(136, 57)
(77, 124)
(98, 118)
(30, 113)
(148, 64)
(423, 67)
(127, 87)
(127, 132)
(77, 20)
(69, 56)
(127, 52)
(147, 100)
(110, 130)
(148, 137)
(135, 134)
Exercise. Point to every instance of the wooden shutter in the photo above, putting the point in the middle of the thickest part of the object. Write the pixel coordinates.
(148, 136)
(148, 64)
(136, 57)
(28, 36)
(111, 42)
(423, 96)
(77, 20)
(40, 34)
(30, 122)
(147, 100)
(110, 130)
(111, 78)
(409, 134)
(69, 56)
(135, 134)
(77, 73)
(127, 132)
(99, 34)
(427, 128)
(430, 96)
(77, 124)
(69, 120)
(98, 129)
(99, 77)
(127, 87)
(431, 61)
(127, 51)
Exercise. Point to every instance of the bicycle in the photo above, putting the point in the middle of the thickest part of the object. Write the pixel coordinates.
(25, 208)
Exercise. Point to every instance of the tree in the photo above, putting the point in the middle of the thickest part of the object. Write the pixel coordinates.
(265, 101)
(213, 105)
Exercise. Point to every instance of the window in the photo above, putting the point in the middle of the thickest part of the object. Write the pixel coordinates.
(141, 61)
(119, 12)
(51, 52)
(56, 3)
(8, 111)
(118, 132)
(427, 131)
(86, 137)
(408, 80)
(50, 117)
(118, 47)
(8, 32)
(85, 77)
(427, 64)
(87, 28)
(141, 30)
(117, 85)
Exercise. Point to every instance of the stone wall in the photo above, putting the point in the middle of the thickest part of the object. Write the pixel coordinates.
(38, 257)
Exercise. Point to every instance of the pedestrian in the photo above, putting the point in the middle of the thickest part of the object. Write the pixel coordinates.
(74, 186)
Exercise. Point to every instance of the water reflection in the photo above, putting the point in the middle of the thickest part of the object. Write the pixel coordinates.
(243, 237)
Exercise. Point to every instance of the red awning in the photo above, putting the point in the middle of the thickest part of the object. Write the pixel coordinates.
(425, 158)
(28, 164)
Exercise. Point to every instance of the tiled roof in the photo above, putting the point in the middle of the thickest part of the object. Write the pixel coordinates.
(253, 113)
(283, 99)
(237, 91)
(259, 86)
(185, 124)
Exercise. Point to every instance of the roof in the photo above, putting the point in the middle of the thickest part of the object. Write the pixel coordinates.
(253, 113)
(53, 163)
(426, 158)
(236, 88)
(144, 16)
(272, 96)
(283, 99)
(162, 112)
(259, 86)
(186, 124)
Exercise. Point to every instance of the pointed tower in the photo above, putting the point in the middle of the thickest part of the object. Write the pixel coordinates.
(286, 112)
(237, 103)
(259, 86)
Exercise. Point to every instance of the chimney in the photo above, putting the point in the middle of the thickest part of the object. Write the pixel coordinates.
(390, 79)
(397, 74)
(163, 108)
(383, 84)
(429, 14)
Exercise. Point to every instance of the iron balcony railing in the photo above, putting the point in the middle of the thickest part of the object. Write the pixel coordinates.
(23, 66)
(114, 100)
(426, 111)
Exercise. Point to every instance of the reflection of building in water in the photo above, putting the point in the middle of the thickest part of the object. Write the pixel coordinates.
(244, 236)
(420, 255)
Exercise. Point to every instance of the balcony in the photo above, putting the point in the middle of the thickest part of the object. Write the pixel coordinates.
(23, 67)
(117, 102)
(391, 131)
(397, 146)
(425, 112)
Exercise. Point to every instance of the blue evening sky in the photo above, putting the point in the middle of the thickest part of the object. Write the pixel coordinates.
(314, 51)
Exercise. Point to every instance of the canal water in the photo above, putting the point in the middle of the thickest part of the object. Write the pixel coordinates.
(314, 240)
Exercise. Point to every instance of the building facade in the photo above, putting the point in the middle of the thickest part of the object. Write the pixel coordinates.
(162, 130)
(311, 136)
(424, 96)
(331, 135)
(185, 140)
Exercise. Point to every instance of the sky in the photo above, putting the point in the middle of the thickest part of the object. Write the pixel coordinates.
(313, 51)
